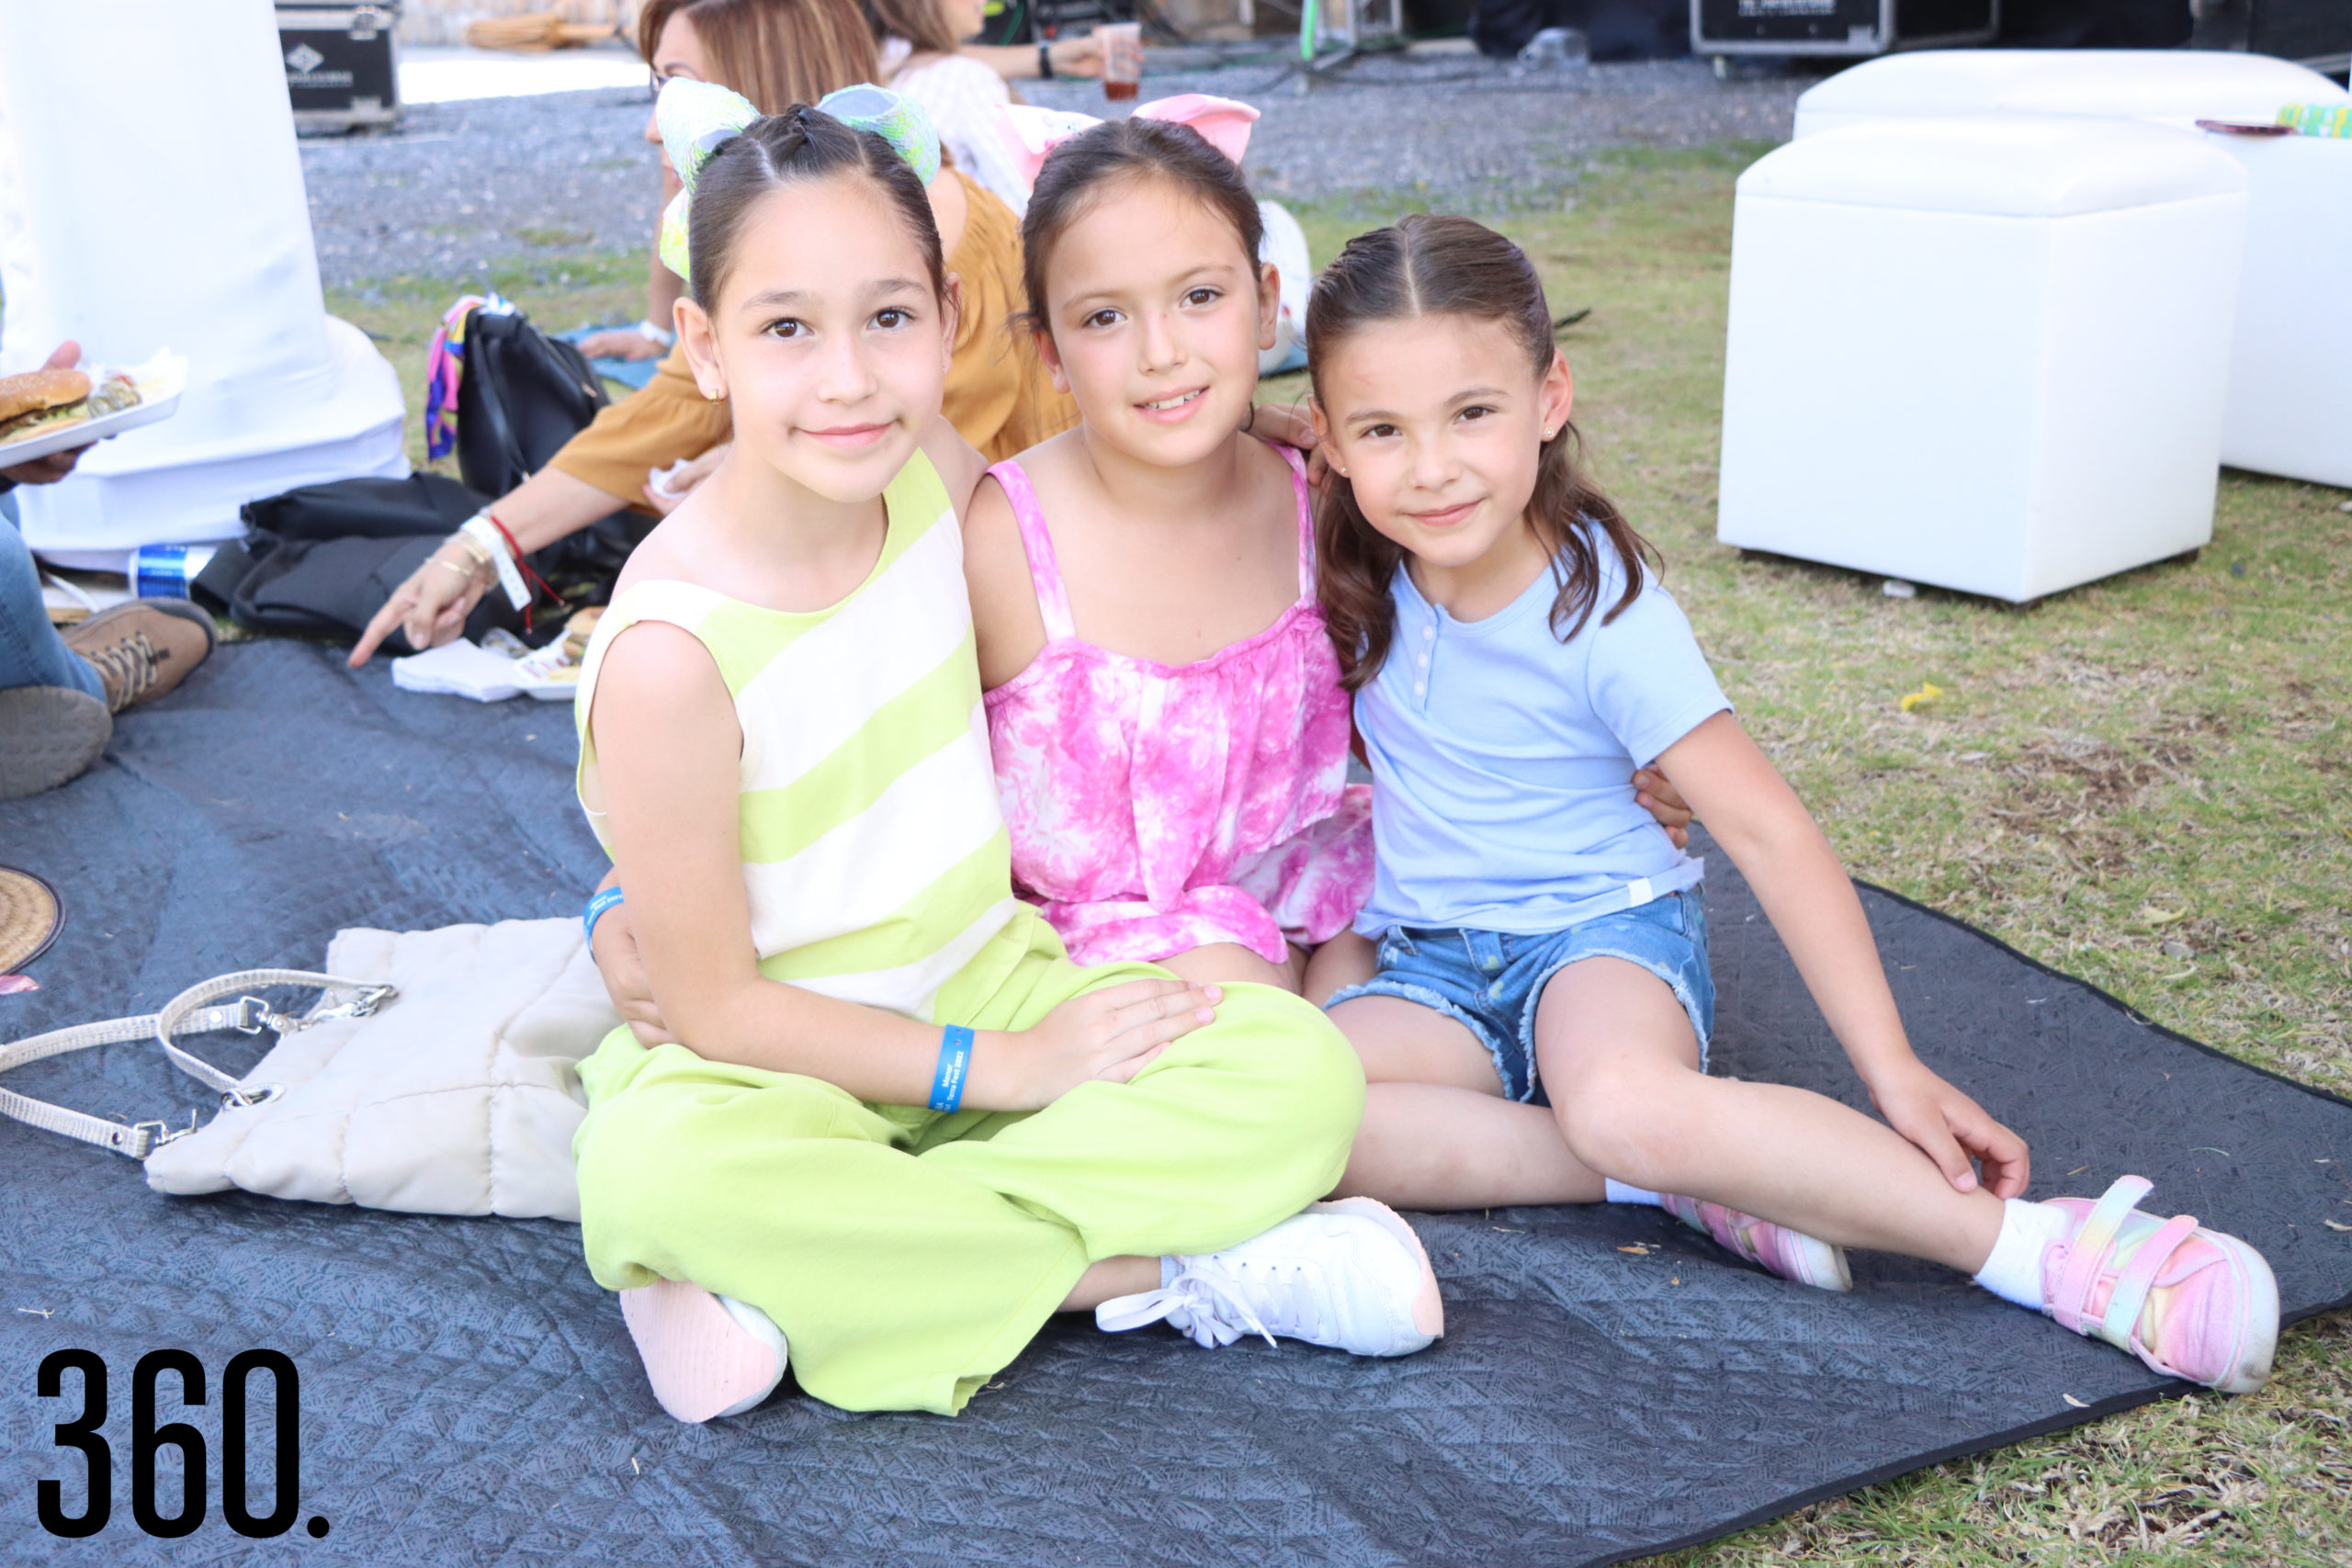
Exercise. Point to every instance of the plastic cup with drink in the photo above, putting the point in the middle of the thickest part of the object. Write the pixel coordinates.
(1121, 59)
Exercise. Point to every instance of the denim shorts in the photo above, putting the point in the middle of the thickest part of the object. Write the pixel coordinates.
(1492, 981)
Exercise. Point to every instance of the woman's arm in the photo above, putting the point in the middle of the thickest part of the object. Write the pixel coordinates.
(1018, 61)
(667, 748)
(593, 475)
(433, 604)
(1759, 822)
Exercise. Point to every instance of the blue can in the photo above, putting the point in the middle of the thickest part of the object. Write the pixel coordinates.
(163, 571)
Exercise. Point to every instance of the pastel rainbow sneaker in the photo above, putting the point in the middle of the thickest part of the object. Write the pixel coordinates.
(706, 1355)
(1792, 1254)
(2190, 1303)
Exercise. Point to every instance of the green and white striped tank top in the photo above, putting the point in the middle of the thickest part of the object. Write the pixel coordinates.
(875, 855)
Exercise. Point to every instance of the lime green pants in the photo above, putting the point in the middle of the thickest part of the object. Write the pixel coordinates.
(909, 1256)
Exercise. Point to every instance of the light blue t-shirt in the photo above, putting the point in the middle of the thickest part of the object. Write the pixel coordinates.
(1502, 759)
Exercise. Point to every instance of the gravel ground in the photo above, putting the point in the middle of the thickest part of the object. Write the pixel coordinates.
(495, 181)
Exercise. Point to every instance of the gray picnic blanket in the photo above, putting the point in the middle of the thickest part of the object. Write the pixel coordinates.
(1611, 1384)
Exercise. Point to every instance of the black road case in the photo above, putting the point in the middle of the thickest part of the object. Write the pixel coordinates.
(1839, 27)
(342, 64)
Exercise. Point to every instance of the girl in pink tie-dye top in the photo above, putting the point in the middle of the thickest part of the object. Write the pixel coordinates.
(1164, 707)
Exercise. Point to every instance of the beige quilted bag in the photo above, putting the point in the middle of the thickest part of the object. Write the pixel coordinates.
(438, 1075)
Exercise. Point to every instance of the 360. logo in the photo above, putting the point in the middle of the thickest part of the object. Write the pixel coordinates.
(148, 1439)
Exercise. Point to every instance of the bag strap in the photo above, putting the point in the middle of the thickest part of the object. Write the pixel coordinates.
(186, 1012)
(491, 402)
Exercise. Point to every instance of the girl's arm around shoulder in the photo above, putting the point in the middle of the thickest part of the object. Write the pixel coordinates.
(668, 751)
(1758, 821)
(1006, 623)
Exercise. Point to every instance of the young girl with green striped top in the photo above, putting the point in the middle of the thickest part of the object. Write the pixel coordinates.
(895, 1129)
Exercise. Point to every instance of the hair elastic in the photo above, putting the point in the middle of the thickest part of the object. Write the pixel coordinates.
(955, 1056)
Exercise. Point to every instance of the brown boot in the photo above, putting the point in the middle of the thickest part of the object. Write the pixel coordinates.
(142, 648)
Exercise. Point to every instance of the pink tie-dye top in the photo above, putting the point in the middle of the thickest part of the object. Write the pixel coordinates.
(1155, 808)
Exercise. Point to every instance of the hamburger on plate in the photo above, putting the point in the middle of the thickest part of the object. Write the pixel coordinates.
(41, 402)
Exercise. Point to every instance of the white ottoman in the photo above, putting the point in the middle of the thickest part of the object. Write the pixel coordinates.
(2289, 410)
(2173, 86)
(1985, 353)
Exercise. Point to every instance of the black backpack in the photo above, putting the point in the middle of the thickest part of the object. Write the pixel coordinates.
(320, 560)
(522, 396)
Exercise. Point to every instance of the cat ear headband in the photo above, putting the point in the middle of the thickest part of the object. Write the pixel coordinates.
(696, 118)
(1030, 132)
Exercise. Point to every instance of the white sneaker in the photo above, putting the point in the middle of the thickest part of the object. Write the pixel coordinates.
(706, 1355)
(1350, 1275)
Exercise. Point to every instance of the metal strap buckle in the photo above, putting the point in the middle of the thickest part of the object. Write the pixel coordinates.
(158, 1135)
(255, 1015)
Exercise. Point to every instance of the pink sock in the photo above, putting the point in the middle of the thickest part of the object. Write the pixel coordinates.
(705, 1356)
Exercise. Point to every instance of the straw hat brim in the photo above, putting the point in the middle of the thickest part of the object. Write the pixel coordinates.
(30, 916)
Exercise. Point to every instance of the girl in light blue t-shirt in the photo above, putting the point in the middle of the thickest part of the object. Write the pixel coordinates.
(1537, 1030)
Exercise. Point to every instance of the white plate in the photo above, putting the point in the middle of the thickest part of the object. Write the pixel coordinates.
(159, 381)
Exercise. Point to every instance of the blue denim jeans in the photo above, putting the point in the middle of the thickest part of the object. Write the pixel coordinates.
(31, 653)
(1491, 982)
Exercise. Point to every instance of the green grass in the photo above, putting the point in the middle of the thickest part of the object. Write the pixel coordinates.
(2146, 782)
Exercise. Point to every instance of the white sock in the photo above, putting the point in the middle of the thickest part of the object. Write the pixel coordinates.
(2014, 1271)
(1615, 1192)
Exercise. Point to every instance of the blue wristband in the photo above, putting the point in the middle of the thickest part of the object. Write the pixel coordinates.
(595, 910)
(954, 1055)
